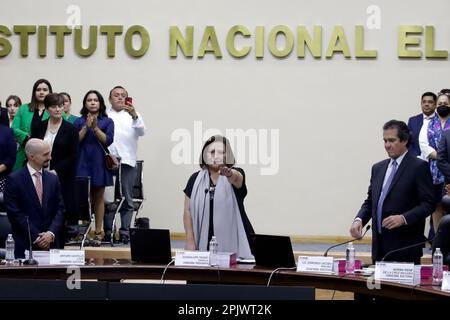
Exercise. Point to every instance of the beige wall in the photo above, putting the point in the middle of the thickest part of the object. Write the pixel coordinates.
(329, 112)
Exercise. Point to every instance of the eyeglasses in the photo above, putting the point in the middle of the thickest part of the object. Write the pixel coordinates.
(56, 107)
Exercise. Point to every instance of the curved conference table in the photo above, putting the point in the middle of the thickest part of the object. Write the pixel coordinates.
(116, 270)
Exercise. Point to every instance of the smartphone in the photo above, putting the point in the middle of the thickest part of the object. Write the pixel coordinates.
(128, 100)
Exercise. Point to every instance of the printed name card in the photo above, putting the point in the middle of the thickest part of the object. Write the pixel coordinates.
(67, 257)
(192, 258)
(446, 281)
(315, 264)
(396, 272)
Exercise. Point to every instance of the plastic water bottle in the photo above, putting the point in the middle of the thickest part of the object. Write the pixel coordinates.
(437, 266)
(350, 259)
(9, 246)
(213, 248)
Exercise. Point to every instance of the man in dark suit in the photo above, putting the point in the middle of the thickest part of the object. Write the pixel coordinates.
(400, 197)
(4, 119)
(34, 193)
(415, 123)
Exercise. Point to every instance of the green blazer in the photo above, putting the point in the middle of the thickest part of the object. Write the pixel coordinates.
(22, 129)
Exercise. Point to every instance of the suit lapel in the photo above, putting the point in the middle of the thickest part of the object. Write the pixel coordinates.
(378, 182)
(399, 172)
(45, 191)
(30, 186)
(59, 134)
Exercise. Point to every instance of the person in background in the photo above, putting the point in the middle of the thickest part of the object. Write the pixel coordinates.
(214, 202)
(67, 107)
(3, 116)
(28, 116)
(7, 155)
(62, 137)
(12, 105)
(415, 123)
(128, 127)
(96, 133)
(429, 141)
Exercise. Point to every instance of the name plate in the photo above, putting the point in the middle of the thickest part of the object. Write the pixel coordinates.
(446, 281)
(396, 272)
(315, 264)
(67, 257)
(192, 258)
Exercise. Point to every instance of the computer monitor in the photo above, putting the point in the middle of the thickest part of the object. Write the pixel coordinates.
(272, 251)
(150, 245)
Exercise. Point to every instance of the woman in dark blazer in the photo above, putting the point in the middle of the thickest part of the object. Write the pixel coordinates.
(7, 153)
(63, 139)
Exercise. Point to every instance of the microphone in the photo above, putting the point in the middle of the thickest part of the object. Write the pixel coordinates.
(412, 245)
(30, 261)
(351, 240)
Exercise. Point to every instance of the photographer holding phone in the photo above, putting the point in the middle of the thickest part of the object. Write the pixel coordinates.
(129, 126)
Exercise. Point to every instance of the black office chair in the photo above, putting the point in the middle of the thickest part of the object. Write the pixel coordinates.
(5, 228)
(138, 192)
(442, 239)
(112, 208)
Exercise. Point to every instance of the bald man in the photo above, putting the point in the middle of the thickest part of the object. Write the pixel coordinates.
(35, 193)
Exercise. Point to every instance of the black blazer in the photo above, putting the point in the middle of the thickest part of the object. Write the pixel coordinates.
(4, 119)
(443, 155)
(415, 124)
(65, 148)
(64, 160)
(411, 194)
(442, 240)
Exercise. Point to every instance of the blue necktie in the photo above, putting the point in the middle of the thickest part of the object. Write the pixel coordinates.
(383, 195)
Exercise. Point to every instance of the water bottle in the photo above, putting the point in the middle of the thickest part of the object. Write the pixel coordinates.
(437, 266)
(9, 246)
(213, 247)
(350, 259)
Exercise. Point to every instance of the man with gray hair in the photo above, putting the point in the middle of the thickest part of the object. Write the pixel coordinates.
(33, 201)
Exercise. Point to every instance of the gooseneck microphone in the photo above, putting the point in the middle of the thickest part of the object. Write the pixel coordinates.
(30, 261)
(351, 240)
(411, 246)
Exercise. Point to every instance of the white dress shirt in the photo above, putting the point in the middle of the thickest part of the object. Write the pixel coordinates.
(32, 171)
(390, 167)
(386, 176)
(126, 134)
(424, 144)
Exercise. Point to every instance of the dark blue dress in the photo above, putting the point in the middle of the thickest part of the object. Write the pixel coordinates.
(91, 161)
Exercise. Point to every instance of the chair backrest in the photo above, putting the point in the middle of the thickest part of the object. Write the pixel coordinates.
(82, 198)
(138, 188)
(442, 239)
(5, 228)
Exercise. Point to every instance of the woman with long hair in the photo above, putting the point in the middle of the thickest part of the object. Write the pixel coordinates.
(96, 133)
(29, 116)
